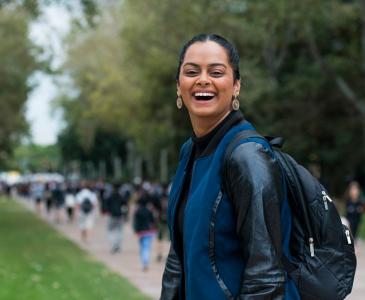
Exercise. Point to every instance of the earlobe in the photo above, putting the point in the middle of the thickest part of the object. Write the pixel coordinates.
(177, 89)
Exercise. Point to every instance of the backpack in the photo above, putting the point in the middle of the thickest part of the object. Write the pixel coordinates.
(143, 220)
(323, 260)
(86, 206)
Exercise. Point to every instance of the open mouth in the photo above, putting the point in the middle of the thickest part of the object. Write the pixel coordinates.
(204, 96)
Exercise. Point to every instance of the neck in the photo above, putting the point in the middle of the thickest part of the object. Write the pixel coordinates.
(202, 126)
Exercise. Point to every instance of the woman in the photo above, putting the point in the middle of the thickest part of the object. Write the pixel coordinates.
(228, 221)
(354, 206)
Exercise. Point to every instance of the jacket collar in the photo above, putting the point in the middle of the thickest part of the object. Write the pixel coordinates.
(207, 144)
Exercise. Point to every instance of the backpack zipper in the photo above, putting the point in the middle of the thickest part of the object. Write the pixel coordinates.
(347, 232)
(326, 198)
(302, 203)
(311, 246)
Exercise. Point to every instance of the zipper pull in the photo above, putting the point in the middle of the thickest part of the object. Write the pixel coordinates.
(325, 202)
(326, 196)
(347, 232)
(311, 246)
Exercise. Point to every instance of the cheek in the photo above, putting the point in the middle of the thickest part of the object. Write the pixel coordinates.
(225, 86)
(185, 86)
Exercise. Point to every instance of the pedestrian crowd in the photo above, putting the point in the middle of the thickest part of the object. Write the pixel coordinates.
(143, 204)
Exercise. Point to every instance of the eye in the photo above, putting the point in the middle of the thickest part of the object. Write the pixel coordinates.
(216, 73)
(191, 73)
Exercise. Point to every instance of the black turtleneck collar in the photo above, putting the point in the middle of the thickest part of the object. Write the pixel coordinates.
(206, 144)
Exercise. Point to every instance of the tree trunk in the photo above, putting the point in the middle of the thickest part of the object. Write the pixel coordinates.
(164, 165)
(362, 4)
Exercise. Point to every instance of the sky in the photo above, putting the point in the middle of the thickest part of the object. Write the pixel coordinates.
(47, 32)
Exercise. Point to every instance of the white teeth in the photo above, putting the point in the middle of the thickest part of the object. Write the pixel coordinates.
(204, 95)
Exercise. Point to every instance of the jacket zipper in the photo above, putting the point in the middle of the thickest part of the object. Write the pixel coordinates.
(211, 251)
(177, 197)
(185, 210)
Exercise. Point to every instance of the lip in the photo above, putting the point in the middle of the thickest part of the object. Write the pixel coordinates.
(204, 102)
(203, 91)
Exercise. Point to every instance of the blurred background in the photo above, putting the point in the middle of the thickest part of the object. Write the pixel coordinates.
(87, 87)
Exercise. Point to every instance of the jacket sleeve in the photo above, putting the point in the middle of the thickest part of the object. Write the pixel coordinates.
(171, 277)
(253, 183)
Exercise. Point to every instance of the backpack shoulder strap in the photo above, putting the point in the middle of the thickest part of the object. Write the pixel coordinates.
(243, 135)
(274, 142)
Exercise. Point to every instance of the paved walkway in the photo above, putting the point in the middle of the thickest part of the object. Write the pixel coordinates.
(358, 290)
(127, 262)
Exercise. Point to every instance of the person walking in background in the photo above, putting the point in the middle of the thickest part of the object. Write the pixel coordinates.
(354, 206)
(100, 190)
(116, 206)
(37, 191)
(161, 221)
(58, 196)
(70, 201)
(48, 198)
(126, 190)
(86, 203)
(145, 228)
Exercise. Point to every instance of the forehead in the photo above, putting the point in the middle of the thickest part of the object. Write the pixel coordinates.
(206, 53)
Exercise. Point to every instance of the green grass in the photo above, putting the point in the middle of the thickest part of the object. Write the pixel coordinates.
(37, 263)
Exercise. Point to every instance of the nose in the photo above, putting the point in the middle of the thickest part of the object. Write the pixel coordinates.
(203, 79)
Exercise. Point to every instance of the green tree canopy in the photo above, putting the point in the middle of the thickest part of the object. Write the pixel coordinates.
(17, 64)
(302, 65)
(20, 58)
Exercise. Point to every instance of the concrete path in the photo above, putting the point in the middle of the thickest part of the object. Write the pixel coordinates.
(127, 262)
(358, 290)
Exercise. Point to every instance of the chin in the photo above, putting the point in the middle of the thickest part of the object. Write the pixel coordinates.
(206, 112)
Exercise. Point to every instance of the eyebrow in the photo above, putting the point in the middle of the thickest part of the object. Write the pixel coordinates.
(210, 65)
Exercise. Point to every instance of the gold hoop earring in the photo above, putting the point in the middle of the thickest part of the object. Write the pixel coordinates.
(235, 103)
(179, 102)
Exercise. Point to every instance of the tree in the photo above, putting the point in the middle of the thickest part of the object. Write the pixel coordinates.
(307, 62)
(17, 64)
(301, 64)
(36, 158)
(127, 84)
(20, 59)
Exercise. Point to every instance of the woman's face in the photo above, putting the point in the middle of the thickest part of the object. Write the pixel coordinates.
(206, 83)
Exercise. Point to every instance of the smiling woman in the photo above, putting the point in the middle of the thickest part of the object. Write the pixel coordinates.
(227, 227)
(206, 82)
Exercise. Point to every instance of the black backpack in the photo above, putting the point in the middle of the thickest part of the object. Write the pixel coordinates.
(86, 206)
(323, 259)
(143, 219)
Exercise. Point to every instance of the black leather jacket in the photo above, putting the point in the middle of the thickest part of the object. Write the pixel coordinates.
(252, 181)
